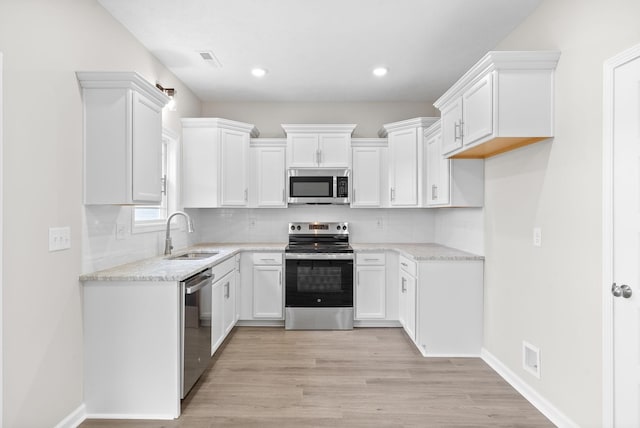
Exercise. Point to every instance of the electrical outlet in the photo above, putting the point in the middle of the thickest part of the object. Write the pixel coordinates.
(537, 237)
(252, 223)
(59, 238)
(121, 231)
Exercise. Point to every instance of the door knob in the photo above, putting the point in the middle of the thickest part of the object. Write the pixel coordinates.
(621, 290)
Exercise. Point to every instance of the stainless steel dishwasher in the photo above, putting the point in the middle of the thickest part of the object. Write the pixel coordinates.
(196, 329)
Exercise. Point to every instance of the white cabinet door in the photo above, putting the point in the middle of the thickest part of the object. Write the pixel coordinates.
(370, 292)
(302, 150)
(229, 296)
(404, 161)
(477, 112)
(408, 304)
(271, 180)
(437, 191)
(451, 119)
(233, 168)
(366, 177)
(200, 157)
(333, 150)
(267, 292)
(146, 150)
(217, 315)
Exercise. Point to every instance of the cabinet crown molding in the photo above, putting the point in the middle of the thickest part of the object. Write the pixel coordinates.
(318, 128)
(433, 129)
(216, 122)
(369, 142)
(423, 122)
(501, 60)
(121, 80)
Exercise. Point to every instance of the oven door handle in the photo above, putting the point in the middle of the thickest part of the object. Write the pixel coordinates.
(318, 256)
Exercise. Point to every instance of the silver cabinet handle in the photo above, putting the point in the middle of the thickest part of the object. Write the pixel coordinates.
(246, 195)
(283, 196)
(461, 129)
(353, 196)
(370, 260)
(404, 286)
(392, 195)
(621, 290)
(436, 191)
(279, 277)
(404, 264)
(227, 292)
(457, 131)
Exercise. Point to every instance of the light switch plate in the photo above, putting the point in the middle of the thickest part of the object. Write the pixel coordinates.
(59, 238)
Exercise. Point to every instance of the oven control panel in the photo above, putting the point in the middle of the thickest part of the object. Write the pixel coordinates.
(317, 228)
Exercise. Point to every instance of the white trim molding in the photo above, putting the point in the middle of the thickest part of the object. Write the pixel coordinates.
(74, 419)
(609, 68)
(530, 394)
(1, 243)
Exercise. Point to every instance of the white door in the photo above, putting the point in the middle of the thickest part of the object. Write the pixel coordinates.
(403, 168)
(366, 177)
(624, 240)
(334, 150)
(233, 166)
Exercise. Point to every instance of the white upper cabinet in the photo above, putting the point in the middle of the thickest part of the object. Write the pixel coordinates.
(318, 146)
(215, 156)
(503, 102)
(122, 138)
(268, 178)
(450, 182)
(368, 172)
(405, 140)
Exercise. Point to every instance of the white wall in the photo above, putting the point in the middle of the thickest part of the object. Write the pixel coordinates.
(44, 42)
(370, 116)
(551, 296)
(270, 225)
(461, 228)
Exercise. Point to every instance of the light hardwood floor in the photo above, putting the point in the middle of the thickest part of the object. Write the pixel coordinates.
(269, 377)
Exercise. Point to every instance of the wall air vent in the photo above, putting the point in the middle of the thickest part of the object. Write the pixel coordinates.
(210, 58)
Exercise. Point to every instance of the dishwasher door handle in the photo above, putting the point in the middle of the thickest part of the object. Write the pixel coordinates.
(194, 288)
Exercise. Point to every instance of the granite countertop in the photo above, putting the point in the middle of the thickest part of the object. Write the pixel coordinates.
(160, 268)
(419, 252)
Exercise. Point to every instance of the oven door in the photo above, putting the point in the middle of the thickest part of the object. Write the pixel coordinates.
(319, 280)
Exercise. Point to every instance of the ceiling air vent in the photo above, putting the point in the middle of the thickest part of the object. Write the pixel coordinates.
(210, 58)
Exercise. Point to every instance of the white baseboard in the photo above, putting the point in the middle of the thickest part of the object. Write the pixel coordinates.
(74, 419)
(136, 416)
(260, 323)
(538, 401)
(376, 323)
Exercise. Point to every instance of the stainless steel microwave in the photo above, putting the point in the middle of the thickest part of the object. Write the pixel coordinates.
(318, 186)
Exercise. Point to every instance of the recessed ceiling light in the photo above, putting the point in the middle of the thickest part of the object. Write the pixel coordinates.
(259, 72)
(380, 71)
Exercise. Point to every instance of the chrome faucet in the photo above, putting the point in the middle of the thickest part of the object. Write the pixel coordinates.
(167, 241)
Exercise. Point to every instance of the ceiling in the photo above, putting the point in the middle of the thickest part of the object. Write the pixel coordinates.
(320, 50)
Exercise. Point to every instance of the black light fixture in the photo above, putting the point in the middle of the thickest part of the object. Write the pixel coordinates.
(170, 92)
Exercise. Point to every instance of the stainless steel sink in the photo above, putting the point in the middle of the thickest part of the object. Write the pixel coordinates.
(194, 255)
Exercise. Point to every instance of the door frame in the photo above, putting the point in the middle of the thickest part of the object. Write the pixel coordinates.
(1, 239)
(609, 68)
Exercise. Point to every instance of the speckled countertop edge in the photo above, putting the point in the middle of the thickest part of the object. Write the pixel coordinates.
(419, 252)
(161, 269)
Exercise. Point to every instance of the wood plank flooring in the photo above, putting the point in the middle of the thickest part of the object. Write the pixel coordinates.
(270, 377)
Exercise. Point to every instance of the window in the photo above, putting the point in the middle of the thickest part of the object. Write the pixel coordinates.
(148, 218)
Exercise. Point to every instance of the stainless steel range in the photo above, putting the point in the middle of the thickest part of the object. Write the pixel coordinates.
(319, 277)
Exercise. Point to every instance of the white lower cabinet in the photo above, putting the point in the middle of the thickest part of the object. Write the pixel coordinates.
(370, 288)
(262, 287)
(407, 300)
(223, 302)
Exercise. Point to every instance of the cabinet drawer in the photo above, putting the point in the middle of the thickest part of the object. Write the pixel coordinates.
(370, 259)
(408, 266)
(221, 269)
(267, 258)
